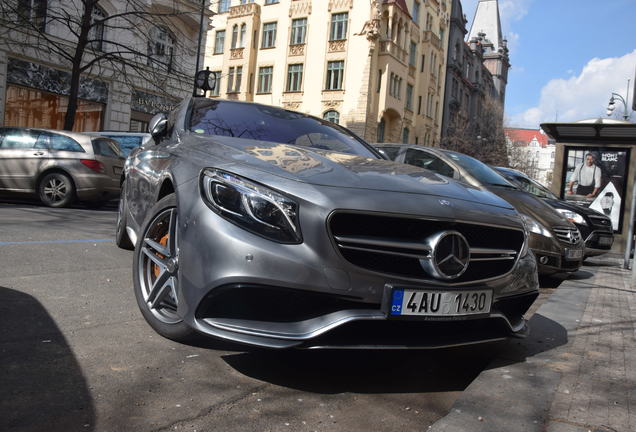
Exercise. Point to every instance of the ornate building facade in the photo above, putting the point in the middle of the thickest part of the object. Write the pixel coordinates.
(477, 72)
(374, 66)
(139, 59)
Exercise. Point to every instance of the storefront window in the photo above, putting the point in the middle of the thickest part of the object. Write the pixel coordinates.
(27, 107)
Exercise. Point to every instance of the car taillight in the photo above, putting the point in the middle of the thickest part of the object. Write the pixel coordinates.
(96, 166)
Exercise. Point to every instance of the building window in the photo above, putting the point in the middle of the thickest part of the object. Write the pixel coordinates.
(298, 31)
(332, 116)
(215, 91)
(409, 97)
(413, 54)
(247, 1)
(423, 63)
(219, 41)
(339, 26)
(161, 48)
(271, 2)
(381, 127)
(429, 21)
(395, 86)
(379, 81)
(416, 12)
(269, 35)
(224, 6)
(235, 32)
(34, 12)
(230, 80)
(335, 72)
(96, 32)
(419, 104)
(265, 79)
(294, 77)
(239, 77)
(242, 38)
(405, 135)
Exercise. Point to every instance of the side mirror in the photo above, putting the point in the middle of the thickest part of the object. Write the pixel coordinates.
(158, 125)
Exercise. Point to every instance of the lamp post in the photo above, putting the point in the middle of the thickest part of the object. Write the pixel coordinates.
(612, 104)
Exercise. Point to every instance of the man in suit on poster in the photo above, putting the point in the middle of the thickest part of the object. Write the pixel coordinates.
(587, 176)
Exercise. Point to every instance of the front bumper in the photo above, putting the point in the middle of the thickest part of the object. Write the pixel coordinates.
(240, 287)
(96, 187)
(552, 256)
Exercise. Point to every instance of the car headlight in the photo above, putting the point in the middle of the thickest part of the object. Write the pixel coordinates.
(534, 226)
(573, 217)
(251, 206)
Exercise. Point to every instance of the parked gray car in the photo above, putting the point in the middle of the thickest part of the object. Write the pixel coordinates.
(59, 166)
(273, 228)
(555, 241)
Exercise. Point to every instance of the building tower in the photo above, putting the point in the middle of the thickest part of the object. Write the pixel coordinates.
(486, 29)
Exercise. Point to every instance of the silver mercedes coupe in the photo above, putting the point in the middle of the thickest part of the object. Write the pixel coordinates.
(273, 228)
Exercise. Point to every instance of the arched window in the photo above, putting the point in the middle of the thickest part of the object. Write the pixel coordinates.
(405, 135)
(161, 48)
(381, 127)
(243, 29)
(235, 31)
(96, 33)
(332, 116)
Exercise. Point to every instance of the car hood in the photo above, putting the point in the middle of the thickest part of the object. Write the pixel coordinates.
(325, 168)
(531, 205)
(560, 204)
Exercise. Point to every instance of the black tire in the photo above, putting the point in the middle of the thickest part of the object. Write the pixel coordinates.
(56, 190)
(121, 236)
(164, 321)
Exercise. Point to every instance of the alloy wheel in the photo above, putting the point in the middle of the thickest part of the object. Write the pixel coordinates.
(159, 265)
(55, 190)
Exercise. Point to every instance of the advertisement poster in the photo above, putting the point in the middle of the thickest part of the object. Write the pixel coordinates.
(595, 178)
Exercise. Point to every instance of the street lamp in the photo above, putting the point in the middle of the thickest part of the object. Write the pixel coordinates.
(612, 104)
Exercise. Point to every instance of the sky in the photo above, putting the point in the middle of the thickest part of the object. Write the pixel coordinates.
(567, 57)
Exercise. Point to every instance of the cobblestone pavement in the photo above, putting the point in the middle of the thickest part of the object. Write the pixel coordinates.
(577, 371)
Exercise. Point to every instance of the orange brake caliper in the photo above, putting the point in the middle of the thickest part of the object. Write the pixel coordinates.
(163, 242)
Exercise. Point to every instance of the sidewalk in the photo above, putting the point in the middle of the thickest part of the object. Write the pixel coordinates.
(576, 371)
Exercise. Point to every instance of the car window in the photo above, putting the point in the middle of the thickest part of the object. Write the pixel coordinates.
(16, 139)
(106, 147)
(479, 170)
(52, 141)
(127, 143)
(391, 152)
(265, 123)
(426, 160)
(531, 186)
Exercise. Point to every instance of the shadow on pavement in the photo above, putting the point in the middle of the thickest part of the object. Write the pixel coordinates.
(42, 387)
(338, 371)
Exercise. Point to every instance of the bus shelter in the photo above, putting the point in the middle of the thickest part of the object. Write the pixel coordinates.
(595, 166)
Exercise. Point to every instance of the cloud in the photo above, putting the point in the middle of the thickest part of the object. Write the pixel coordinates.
(581, 96)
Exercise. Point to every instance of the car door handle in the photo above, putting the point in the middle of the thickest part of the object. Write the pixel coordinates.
(38, 153)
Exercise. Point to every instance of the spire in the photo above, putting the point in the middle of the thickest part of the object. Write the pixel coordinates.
(487, 21)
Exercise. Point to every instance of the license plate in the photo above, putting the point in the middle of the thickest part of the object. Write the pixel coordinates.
(605, 241)
(440, 303)
(573, 254)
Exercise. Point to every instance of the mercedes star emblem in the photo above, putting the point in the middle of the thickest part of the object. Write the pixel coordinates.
(449, 255)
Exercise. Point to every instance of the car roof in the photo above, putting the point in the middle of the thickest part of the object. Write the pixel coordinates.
(71, 134)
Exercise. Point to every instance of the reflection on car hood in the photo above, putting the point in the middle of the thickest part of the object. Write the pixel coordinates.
(324, 168)
(531, 205)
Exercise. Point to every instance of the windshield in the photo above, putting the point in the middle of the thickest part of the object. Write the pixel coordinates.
(265, 123)
(529, 185)
(479, 170)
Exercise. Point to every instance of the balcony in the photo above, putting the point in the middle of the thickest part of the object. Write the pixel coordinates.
(244, 10)
(236, 53)
(296, 50)
(337, 46)
(391, 48)
(431, 37)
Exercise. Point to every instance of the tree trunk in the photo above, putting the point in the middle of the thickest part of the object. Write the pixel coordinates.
(76, 72)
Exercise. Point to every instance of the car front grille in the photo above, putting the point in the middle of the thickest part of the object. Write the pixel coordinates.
(601, 222)
(568, 235)
(394, 245)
